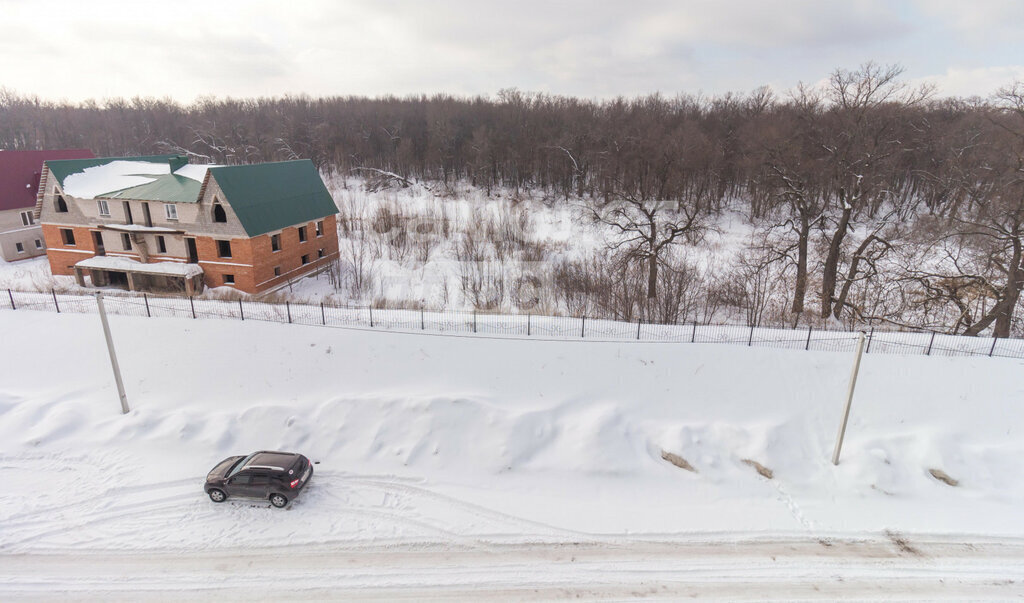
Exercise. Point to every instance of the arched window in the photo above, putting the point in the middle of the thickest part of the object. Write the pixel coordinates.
(218, 213)
(61, 205)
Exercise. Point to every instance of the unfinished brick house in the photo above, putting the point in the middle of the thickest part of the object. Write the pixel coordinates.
(158, 223)
(20, 171)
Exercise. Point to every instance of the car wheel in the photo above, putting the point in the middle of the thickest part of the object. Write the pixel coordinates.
(218, 496)
(278, 500)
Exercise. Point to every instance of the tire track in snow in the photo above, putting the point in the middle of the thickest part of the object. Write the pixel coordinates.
(474, 509)
(787, 569)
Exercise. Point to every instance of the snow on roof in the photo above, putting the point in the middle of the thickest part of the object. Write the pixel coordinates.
(104, 262)
(139, 228)
(114, 176)
(127, 179)
(194, 172)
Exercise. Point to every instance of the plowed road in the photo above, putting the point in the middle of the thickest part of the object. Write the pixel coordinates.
(882, 568)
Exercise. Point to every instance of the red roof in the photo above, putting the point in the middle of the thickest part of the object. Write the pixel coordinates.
(20, 172)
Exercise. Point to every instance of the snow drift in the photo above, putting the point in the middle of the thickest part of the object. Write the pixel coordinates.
(436, 437)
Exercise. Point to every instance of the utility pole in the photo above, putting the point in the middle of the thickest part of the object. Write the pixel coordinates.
(849, 399)
(113, 356)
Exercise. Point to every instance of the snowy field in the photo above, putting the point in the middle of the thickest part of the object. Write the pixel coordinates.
(455, 467)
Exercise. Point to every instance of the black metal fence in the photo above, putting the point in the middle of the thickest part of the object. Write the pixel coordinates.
(517, 325)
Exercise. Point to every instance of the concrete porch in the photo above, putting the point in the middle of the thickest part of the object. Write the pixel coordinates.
(159, 277)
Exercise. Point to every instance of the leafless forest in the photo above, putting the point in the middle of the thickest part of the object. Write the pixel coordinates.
(872, 202)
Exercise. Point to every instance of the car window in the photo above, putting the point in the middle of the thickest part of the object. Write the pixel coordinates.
(260, 479)
(242, 464)
(242, 479)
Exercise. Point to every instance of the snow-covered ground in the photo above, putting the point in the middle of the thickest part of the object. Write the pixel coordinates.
(475, 467)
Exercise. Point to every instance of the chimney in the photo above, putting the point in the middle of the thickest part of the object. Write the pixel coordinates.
(177, 162)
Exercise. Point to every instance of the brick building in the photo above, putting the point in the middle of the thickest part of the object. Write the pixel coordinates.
(158, 223)
(20, 171)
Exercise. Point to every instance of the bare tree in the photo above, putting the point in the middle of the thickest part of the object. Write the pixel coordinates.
(644, 227)
(860, 138)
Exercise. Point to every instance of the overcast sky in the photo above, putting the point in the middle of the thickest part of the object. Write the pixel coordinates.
(183, 49)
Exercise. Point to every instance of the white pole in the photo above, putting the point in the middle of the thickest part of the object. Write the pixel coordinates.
(849, 399)
(113, 356)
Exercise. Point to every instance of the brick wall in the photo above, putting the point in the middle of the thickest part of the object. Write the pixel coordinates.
(63, 256)
(252, 262)
(289, 258)
(215, 267)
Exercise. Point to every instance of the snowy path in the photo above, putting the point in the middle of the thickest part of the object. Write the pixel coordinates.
(879, 569)
(386, 537)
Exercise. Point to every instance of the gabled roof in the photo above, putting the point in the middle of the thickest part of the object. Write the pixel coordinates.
(62, 169)
(165, 187)
(167, 178)
(20, 172)
(272, 196)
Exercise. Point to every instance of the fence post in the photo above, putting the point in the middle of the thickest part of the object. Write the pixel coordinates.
(849, 400)
(55, 304)
(993, 348)
(192, 304)
(638, 321)
(871, 335)
(807, 345)
(370, 308)
(930, 342)
(474, 320)
(750, 340)
(11, 296)
(528, 317)
(693, 334)
(145, 298)
(423, 322)
(113, 356)
(583, 327)
(241, 312)
(323, 315)
(288, 308)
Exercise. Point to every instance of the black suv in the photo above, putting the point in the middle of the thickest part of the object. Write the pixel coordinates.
(274, 476)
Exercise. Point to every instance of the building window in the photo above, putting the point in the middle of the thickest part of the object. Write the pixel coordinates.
(60, 205)
(19, 247)
(302, 234)
(126, 241)
(305, 259)
(104, 208)
(277, 271)
(171, 211)
(320, 228)
(161, 245)
(275, 242)
(229, 279)
(218, 213)
(67, 236)
(320, 253)
(27, 219)
(39, 244)
(224, 249)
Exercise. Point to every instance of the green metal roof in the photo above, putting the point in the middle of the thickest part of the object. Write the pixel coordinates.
(170, 188)
(61, 169)
(271, 196)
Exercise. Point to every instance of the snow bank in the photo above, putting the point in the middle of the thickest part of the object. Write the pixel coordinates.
(440, 438)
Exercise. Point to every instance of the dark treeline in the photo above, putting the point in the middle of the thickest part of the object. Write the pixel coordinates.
(836, 177)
